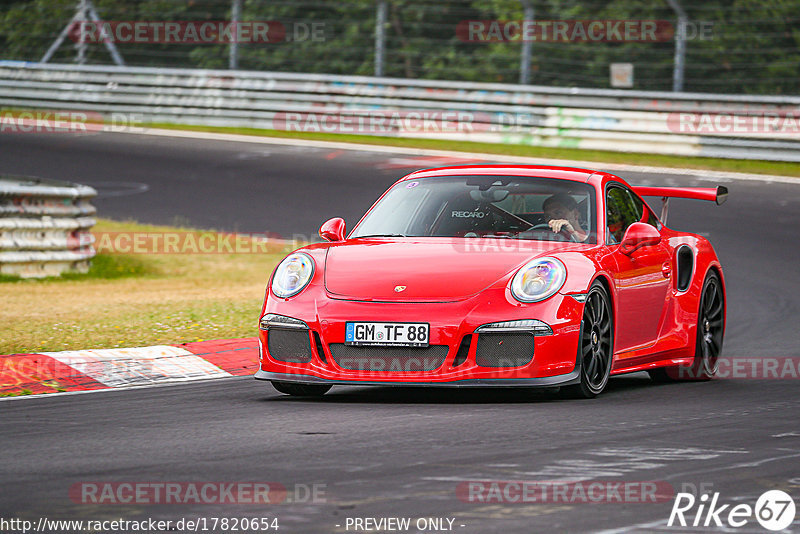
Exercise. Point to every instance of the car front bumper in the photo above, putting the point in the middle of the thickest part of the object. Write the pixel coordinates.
(453, 329)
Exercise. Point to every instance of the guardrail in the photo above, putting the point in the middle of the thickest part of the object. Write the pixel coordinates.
(44, 227)
(692, 124)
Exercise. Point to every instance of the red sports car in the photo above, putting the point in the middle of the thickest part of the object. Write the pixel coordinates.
(497, 276)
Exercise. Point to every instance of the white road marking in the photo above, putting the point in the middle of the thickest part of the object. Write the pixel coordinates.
(623, 460)
(138, 366)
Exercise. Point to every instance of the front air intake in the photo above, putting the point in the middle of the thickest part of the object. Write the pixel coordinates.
(507, 349)
(389, 359)
(289, 345)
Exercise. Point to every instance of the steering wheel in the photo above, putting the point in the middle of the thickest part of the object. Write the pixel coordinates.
(562, 233)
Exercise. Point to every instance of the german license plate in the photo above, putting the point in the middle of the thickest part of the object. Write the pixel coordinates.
(387, 334)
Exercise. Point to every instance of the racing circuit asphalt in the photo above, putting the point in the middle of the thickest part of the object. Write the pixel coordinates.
(382, 452)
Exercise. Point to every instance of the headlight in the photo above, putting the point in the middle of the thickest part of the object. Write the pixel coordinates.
(538, 280)
(292, 275)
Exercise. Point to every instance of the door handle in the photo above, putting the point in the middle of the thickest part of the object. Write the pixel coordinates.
(666, 269)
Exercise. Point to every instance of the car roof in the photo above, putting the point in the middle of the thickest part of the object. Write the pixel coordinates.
(541, 171)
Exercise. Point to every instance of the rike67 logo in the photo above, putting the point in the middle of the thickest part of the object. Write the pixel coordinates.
(774, 510)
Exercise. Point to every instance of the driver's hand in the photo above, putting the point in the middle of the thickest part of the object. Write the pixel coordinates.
(556, 225)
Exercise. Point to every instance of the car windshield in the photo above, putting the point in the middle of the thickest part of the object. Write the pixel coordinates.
(512, 207)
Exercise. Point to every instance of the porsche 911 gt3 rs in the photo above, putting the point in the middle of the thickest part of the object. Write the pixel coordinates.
(497, 276)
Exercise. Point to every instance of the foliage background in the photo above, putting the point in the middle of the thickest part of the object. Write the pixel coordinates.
(755, 45)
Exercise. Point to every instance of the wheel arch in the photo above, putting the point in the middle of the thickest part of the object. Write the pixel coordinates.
(603, 279)
(706, 261)
(716, 268)
(606, 282)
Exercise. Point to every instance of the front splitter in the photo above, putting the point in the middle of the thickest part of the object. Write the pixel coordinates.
(547, 381)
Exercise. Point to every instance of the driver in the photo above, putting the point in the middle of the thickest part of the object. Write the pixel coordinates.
(562, 214)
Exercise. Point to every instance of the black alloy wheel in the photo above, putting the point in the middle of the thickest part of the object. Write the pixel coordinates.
(596, 344)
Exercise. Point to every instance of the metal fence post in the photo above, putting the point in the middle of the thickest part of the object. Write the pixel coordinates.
(680, 46)
(108, 41)
(84, 12)
(525, 55)
(236, 15)
(380, 37)
(80, 44)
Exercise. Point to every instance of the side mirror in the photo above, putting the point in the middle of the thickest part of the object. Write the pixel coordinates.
(639, 235)
(333, 230)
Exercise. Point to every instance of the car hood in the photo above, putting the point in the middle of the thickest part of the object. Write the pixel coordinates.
(426, 269)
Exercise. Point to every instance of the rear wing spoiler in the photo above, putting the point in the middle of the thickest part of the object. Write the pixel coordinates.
(717, 195)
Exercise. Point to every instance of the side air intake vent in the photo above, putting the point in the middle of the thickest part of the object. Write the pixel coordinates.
(685, 262)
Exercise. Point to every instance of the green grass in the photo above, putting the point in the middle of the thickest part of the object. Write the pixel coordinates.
(113, 266)
(103, 267)
(658, 160)
(128, 300)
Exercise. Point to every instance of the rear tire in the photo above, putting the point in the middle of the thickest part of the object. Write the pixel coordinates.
(301, 390)
(596, 349)
(710, 331)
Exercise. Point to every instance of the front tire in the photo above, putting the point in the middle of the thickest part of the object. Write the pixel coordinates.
(596, 349)
(301, 390)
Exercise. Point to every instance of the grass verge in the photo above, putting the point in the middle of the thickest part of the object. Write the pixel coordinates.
(657, 160)
(129, 300)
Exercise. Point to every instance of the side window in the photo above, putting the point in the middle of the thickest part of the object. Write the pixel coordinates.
(621, 212)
